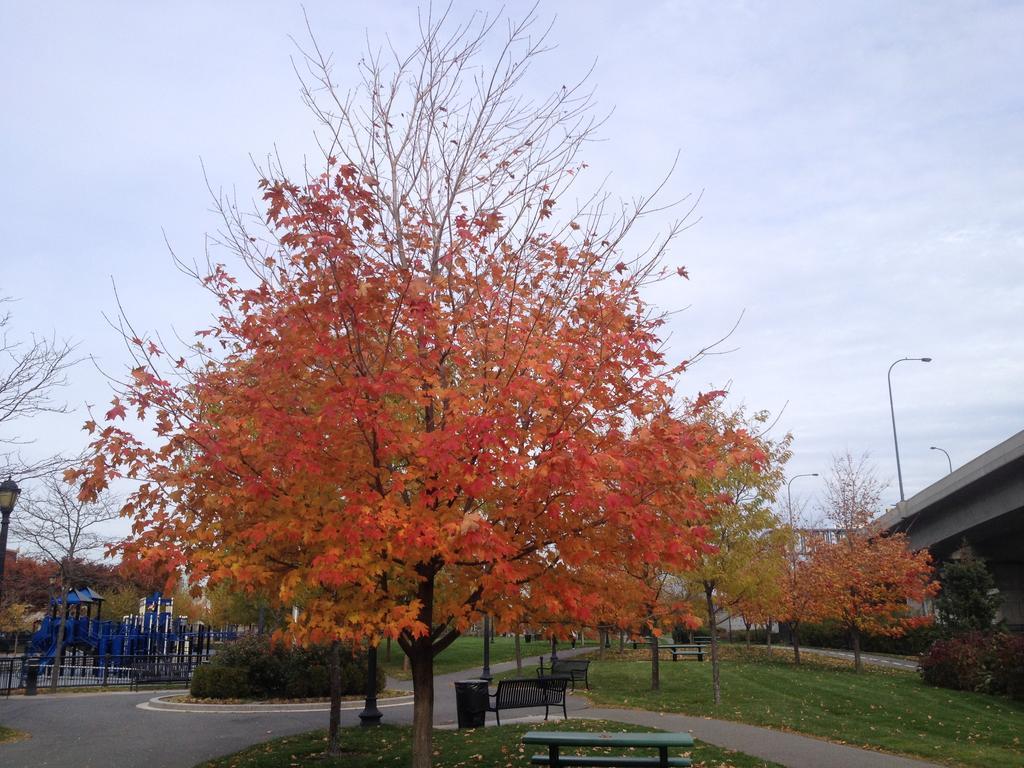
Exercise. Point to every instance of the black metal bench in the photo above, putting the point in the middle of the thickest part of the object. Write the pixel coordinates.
(684, 650)
(574, 670)
(522, 692)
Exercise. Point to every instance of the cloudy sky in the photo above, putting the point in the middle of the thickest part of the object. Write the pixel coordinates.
(861, 165)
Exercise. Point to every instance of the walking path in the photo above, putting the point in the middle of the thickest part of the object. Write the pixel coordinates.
(892, 662)
(789, 749)
(140, 730)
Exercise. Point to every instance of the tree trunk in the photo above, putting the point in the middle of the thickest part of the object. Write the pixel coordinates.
(795, 632)
(58, 653)
(622, 642)
(655, 671)
(519, 654)
(716, 684)
(768, 635)
(420, 652)
(422, 659)
(746, 631)
(858, 666)
(334, 728)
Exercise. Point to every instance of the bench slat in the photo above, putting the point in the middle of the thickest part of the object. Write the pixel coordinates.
(610, 761)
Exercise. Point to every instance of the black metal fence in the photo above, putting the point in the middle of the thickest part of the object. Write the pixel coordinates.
(11, 673)
(85, 672)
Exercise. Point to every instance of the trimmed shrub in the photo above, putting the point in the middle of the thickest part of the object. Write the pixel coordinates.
(757, 636)
(307, 683)
(976, 661)
(280, 671)
(263, 663)
(1008, 674)
(829, 634)
(215, 682)
(962, 663)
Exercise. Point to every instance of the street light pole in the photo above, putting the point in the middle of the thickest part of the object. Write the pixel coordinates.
(485, 674)
(9, 492)
(789, 493)
(936, 448)
(892, 412)
(370, 715)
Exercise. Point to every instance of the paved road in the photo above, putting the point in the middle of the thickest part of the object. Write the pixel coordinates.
(108, 730)
(127, 730)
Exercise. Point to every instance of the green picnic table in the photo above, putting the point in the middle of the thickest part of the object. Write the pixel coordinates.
(555, 740)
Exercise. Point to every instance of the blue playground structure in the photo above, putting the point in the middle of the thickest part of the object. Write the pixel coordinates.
(151, 645)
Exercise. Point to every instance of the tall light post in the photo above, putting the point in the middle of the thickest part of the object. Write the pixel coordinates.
(370, 715)
(9, 492)
(936, 448)
(892, 411)
(789, 493)
(485, 674)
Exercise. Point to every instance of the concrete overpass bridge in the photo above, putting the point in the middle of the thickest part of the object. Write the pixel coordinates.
(982, 502)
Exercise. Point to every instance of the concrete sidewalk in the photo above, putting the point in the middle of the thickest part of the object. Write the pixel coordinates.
(789, 749)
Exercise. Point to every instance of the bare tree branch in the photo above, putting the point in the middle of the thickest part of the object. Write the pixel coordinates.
(30, 372)
(54, 524)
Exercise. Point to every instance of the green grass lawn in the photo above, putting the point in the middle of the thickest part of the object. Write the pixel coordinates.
(391, 745)
(467, 653)
(889, 710)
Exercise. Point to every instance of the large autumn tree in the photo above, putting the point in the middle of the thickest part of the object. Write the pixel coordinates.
(864, 578)
(428, 386)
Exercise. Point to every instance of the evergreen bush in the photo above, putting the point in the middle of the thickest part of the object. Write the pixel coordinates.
(969, 600)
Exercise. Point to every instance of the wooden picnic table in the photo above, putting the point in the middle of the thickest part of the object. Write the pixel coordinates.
(555, 740)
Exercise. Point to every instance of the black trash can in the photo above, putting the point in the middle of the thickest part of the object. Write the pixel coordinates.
(31, 677)
(471, 702)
